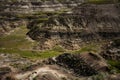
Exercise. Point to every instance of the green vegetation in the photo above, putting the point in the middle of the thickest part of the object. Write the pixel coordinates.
(91, 47)
(100, 76)
(16, 39)
(16, 43)
(103, 1)
(50, 13)
(114, 66)
(31, 54)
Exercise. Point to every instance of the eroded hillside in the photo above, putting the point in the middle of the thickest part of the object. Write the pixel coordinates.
(86, 22)
(59, 40)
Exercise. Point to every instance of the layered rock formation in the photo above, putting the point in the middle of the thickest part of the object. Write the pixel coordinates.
(8, 25)
(77, 64)
(64, 23)
(86, 64)
(86, 22)
(16, 10)
(26, 6)
(9, 21)
(112, 50)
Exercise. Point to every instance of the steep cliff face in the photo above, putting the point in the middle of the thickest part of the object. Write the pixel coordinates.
(86, 22)
(15, 11)
(26, 6)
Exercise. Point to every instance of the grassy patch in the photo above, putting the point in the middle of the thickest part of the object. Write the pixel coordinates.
(92, 47)
(16, 39)
(16, 43)
(114, 66)
(31, 54)
(102, 1)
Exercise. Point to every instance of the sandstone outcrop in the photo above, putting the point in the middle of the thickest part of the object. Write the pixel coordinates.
(32, 6)
(87, 22)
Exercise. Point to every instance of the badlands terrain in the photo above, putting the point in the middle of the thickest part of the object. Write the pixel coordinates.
(59, 39)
